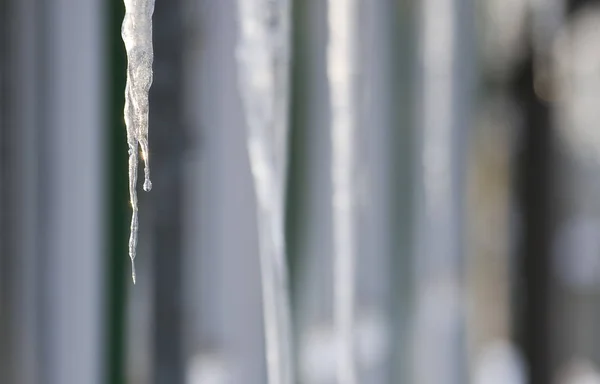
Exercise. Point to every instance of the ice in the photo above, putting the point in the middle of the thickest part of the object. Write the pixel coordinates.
(137, 36)
(263, 62)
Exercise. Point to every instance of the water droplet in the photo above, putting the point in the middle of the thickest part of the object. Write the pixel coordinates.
(147, 185)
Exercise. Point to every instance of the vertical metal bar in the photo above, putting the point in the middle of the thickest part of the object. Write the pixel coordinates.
(168, 148)
(20, 183)
(207, 358)
(376, 104)
(222, 269)
(443, 114)
(6, 372)
(71, 180)
(574, 275)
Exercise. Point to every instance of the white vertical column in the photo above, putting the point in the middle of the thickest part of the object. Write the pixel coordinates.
(441, 118)
(342, 75)
(263, 56)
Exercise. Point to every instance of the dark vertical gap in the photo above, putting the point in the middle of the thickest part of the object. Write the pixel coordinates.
(117, 193)
(167, 137)
(296, 198)
(534, 182)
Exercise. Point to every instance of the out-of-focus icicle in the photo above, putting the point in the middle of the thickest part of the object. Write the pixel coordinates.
(137, 36)
(442, 119)
(341, 71)
(263, 57)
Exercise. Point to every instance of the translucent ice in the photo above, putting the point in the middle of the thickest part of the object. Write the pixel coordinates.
(263, 60)
(137, 36)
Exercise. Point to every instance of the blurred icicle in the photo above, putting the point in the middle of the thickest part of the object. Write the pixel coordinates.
(442, 116)
(263, 57)
(341, 71)
(137, 36)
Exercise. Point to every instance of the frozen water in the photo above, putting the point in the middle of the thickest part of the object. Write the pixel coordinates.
(137, 36)
(263, 61)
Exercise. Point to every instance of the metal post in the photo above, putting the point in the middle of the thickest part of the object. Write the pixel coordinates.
(164, 203)
(443, 117)
(70, 191)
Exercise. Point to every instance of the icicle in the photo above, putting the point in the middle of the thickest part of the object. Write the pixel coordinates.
(441, 124)
(341, 71)
(137, 36)
(263, 60)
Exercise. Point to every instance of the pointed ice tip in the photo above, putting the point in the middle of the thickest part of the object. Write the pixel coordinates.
(147, 185)
(133, 271)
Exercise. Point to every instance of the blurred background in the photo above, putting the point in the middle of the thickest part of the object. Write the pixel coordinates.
(476, 215)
